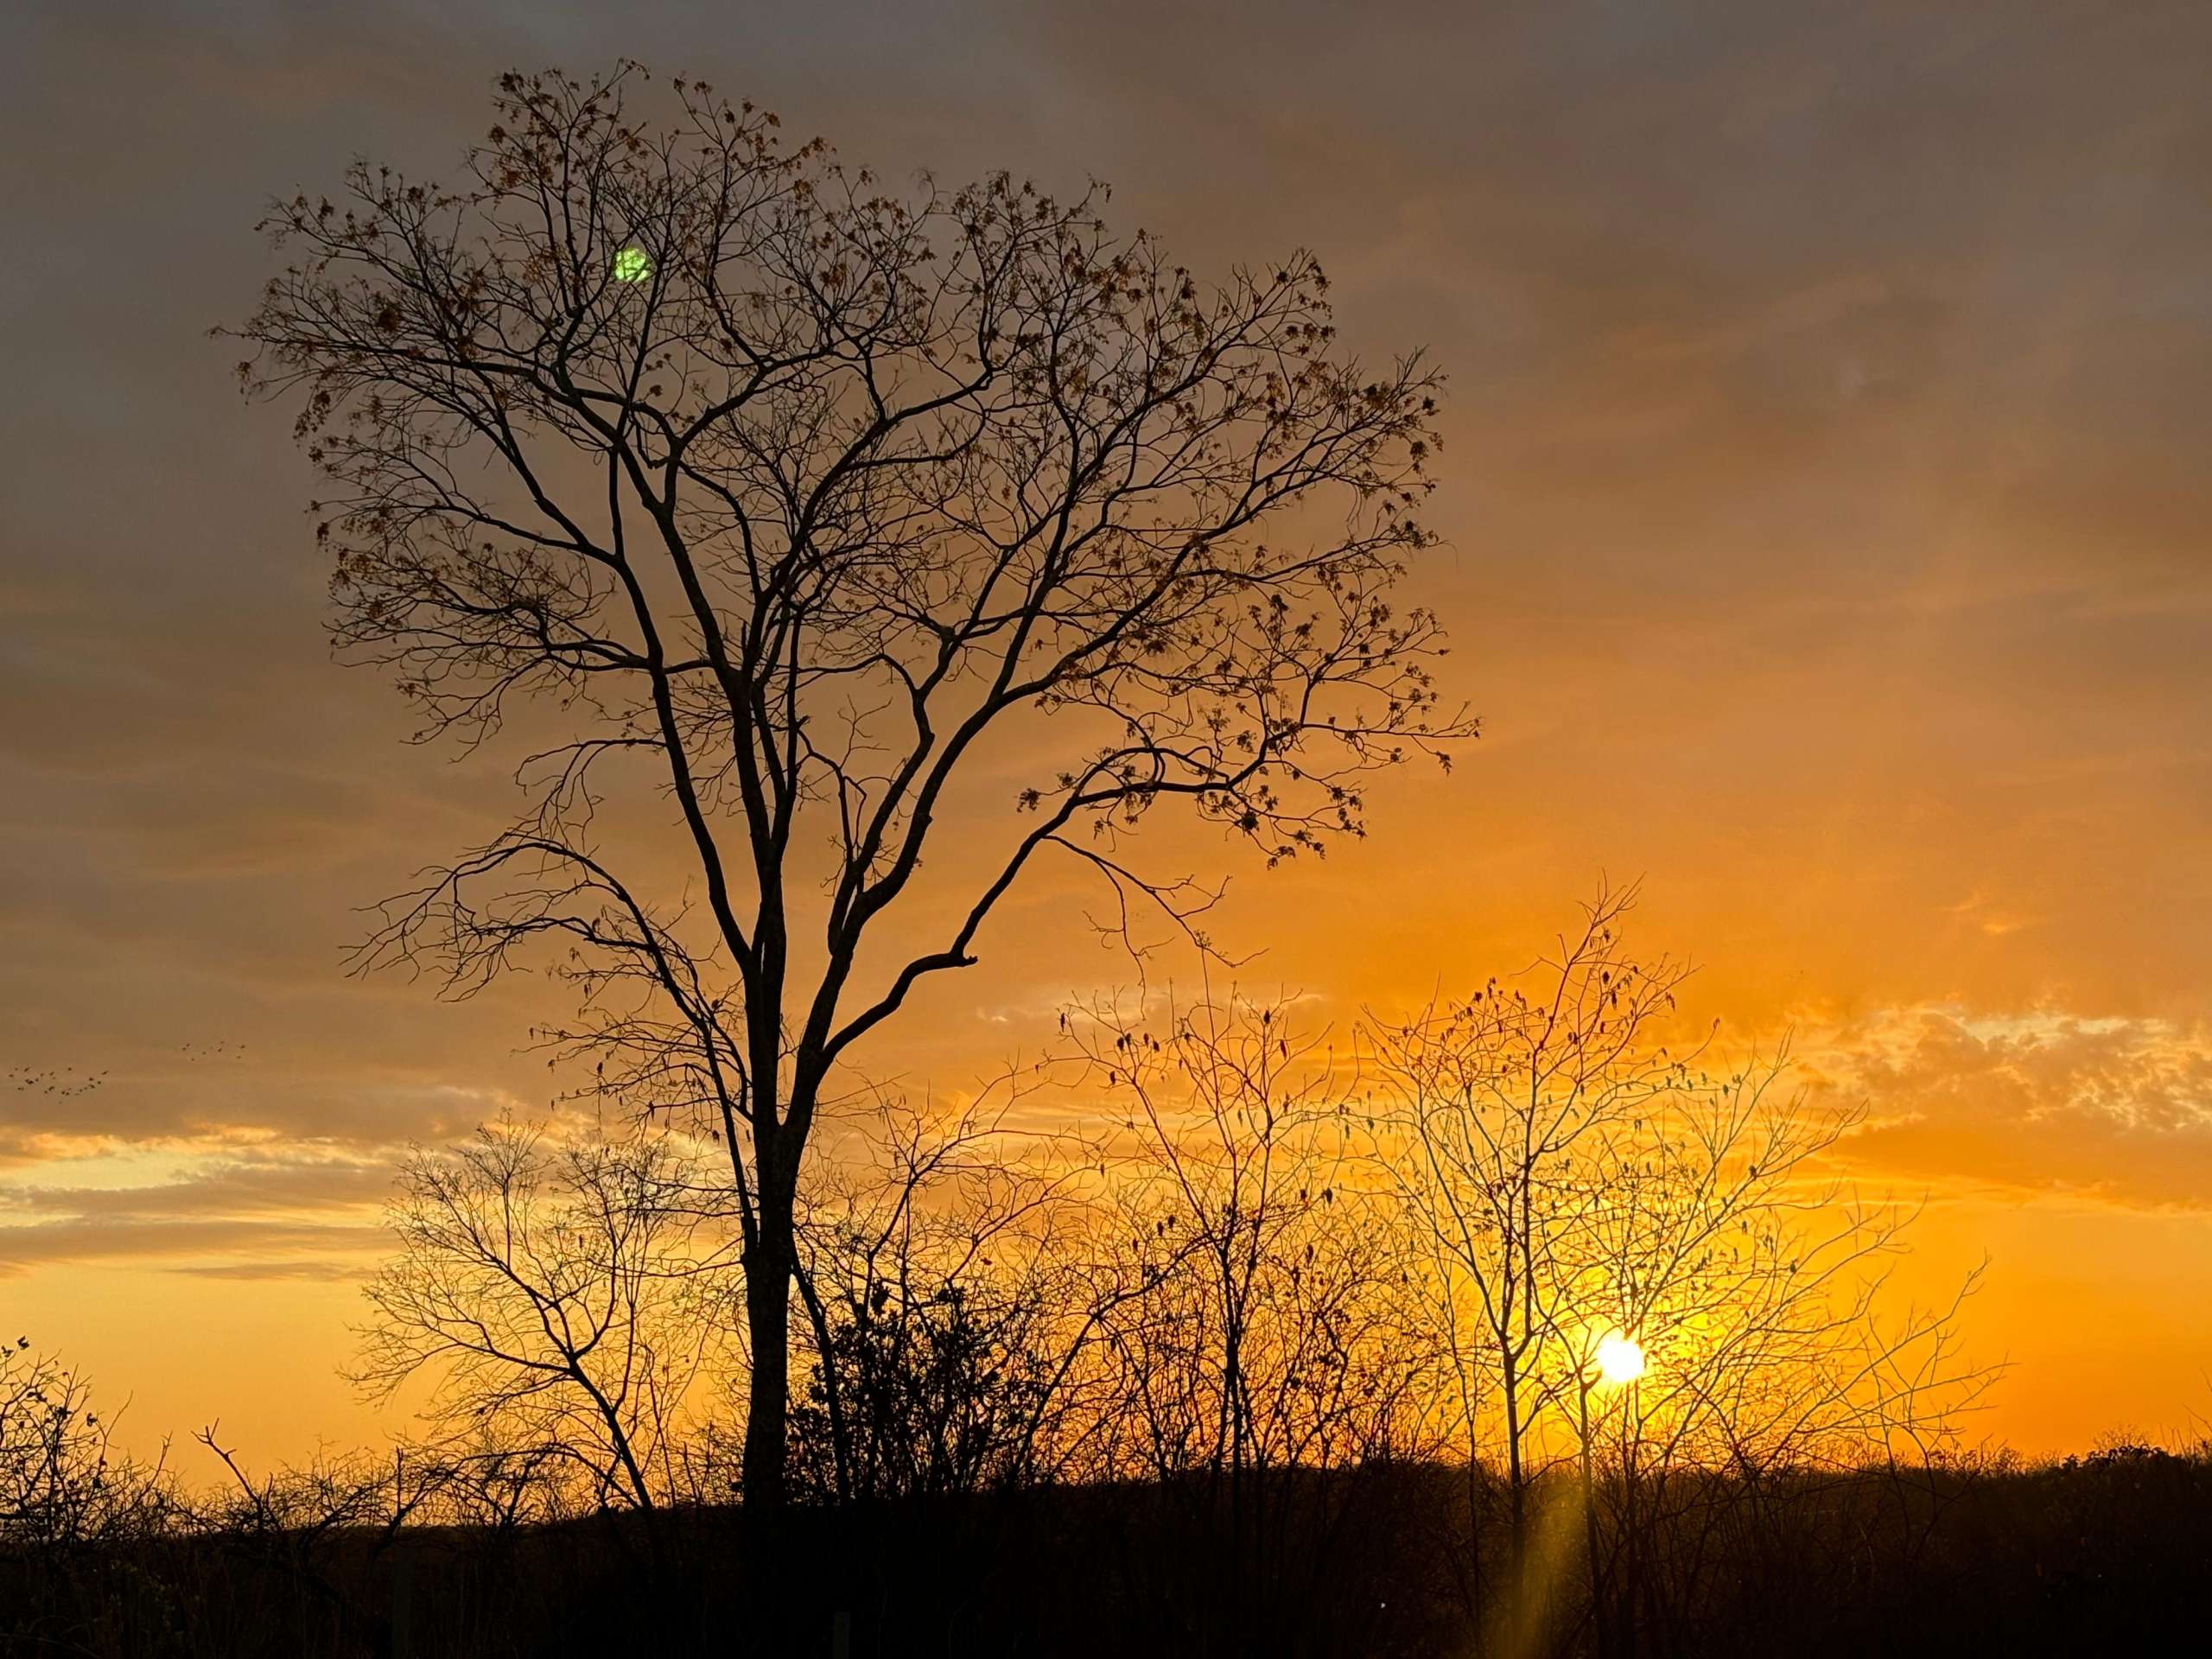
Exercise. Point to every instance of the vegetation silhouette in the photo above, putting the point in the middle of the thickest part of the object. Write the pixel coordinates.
(493, 1554)
(1219, 1368)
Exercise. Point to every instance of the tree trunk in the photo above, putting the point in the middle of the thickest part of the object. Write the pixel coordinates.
(1517, 1555)
(769, 1266)
(1598, 1612)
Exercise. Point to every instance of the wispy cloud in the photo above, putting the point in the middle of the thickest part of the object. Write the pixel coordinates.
(2113, 1107)
(259, 1212)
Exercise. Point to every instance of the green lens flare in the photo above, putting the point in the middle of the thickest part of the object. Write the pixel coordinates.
(632, 265)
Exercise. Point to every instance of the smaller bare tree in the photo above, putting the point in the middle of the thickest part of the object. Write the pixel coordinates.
(61, 1480)
(932, 1279)
(1489, 1103)
(1266, 1339)
(1573, 1182)
(1754, 1286)
(568, 1294)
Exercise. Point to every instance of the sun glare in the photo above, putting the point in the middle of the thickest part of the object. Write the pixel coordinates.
(632, 266)
(1620, 1361)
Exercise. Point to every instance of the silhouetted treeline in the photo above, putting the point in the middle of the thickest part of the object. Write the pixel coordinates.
(2104, 1554)
(1517, 1331)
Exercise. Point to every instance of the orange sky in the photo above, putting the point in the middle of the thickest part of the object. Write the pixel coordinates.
(1830, 544)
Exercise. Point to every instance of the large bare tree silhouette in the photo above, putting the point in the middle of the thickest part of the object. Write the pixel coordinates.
(725, 474)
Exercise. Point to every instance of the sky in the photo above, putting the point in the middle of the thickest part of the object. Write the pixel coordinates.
(1828, 543)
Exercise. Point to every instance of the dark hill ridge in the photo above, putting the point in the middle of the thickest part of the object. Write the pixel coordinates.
(2109, 1554)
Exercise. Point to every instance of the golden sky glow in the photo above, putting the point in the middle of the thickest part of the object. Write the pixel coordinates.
(1830, 544)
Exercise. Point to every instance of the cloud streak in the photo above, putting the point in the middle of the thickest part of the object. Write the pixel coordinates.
(258, 1212)
(2115, 1108)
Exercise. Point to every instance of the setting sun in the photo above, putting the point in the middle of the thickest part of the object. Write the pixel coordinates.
(1620, 1361)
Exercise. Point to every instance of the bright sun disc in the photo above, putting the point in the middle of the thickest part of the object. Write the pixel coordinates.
(632, 266)
(1620, 1360)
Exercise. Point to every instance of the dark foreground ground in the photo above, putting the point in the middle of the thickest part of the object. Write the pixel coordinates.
(2110, 1554)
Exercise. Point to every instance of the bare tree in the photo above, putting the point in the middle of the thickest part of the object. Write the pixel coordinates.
(791, 498)
(1752, 1287)
(563, 1298)
(61, 1480)
(1574, 1183)
(945, 1312)
(1266, 1338)
(1489, 1104)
